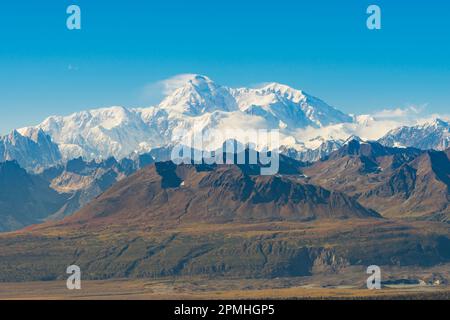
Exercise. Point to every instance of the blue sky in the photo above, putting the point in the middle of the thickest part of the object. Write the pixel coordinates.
(321, 46)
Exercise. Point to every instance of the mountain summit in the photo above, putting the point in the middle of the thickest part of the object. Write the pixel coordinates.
(197, 96)
(430, 135)
(309, 128)
(31, 148)
(295, 108)
(198, 104)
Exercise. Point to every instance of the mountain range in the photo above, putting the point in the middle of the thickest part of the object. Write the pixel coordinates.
(223, 221)
(432, 135)
(405, 183)
(172, 194)
(96, 189)
(198, 105)
(56, 192)
(396, 182)
(34, 151)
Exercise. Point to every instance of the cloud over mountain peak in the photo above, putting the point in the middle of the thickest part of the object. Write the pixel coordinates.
(195, 103)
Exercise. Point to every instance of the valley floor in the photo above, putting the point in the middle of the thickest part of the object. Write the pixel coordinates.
(202, 288)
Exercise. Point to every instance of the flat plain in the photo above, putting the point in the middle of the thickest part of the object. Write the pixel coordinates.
(188, 288)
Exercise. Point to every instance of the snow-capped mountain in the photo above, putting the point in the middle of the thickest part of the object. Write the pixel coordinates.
(309, 128)
(430, 135)
(313, 153)
(32, 149)
(100, 133)
(198, 96)
(198, 105)
(292, 108)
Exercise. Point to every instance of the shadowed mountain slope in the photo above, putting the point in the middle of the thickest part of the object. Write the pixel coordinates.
(397, 182)
(25, 198)
(214, 194)
(168, 220)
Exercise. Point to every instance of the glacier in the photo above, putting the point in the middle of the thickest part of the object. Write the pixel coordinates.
(309, 127)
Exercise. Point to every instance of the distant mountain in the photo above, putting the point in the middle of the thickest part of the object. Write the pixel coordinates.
(99, 134)
(25, 198)
(84, 180)
(70, 187)
(198, 105)
(400, 182)
(396, 182)
(313, 154)
(309, 128)
(108, 199)
(33, 149)
(432, 135)
(58, 191)
(198, 96)
(292, 108)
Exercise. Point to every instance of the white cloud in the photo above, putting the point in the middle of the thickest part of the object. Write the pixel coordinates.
(156, 91)
(175, 82)
(372, 126)
(410, 112)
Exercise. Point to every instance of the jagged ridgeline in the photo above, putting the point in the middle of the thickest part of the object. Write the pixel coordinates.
(309, 128)
(168, 220)
(98, 191)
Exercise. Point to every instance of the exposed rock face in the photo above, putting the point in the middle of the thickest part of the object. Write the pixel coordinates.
(58, 191)
(80, 181)
(397, 182)
(86, 180)
(167, 220)
(219, 194)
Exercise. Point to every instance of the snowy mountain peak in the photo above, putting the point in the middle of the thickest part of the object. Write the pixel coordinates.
(96, 134)
(307, 124)
(107, 118)
(14, 135)
(32, 152)
(440, 123)
(429, 135)
(33, 133)
(199, 95)
(199, 80)
(284, 91)
(353, 138)
(197, 104)
(294, 108)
